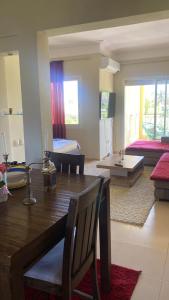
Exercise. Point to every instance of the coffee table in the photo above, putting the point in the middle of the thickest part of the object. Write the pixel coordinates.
(125, 174)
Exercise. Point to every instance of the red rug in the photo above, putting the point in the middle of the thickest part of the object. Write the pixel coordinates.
(123, 282)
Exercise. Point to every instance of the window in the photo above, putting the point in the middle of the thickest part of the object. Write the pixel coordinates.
(70, 89)
(156, 109)
(146, 110)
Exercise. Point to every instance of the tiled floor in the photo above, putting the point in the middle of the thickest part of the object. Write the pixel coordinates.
(144, 248)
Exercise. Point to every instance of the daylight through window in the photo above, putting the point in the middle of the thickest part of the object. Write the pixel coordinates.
(147, 111)
(71, 101)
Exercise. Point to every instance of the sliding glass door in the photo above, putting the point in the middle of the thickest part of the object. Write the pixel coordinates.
(156, 109)
(147, 102)
(159, 117)
(167, 111)
(146, 110)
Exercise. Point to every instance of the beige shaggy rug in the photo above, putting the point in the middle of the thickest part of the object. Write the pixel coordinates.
(132, 205)
(129, 205)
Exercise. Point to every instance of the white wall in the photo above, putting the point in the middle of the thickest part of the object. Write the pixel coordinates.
(14, 101)
(132, 113)
(86, 70)
(106, 126)
(105, 81)
(4, 121)
(44, 90)
(19, 23)
(89, 132)
(132, 72)
(10, 97)
(23, 16)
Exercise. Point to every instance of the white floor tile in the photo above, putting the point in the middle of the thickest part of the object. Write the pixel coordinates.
(146, 289)
(150, 236)
(164, 294)
(150, 261)
(144, 248)
(166, 269)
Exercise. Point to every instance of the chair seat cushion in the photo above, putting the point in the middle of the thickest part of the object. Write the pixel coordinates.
(49, 267)
(161, 170)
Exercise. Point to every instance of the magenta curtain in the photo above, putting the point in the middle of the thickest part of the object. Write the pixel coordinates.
(57, 99)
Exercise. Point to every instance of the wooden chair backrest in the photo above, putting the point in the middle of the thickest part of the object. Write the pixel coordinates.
(67, 163)
(81, 232)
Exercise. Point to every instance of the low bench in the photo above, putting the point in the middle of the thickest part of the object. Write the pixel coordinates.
(151, 150)
(160, 176)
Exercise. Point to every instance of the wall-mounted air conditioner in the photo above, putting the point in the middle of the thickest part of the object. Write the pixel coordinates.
(109, 64)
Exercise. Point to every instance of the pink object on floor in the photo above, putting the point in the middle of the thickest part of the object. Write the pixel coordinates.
(149, 146)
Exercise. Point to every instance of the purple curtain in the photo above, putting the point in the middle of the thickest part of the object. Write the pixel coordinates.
(57, 99)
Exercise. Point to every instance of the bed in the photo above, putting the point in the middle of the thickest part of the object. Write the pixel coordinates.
(66, 146)
(151, 150)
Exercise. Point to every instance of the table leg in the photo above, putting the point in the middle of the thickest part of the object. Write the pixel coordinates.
(17, 285)
(11, 285)
(105, 238)
(5, 284)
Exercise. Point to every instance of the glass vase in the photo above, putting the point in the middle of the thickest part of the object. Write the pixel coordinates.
(5, 177)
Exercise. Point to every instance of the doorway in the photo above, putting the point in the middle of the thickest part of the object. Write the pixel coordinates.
(11, 112)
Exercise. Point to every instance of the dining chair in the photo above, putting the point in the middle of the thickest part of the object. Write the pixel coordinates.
(61, 270)
(67, 163)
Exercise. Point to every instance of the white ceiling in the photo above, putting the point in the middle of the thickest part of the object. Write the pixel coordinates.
(116, 39)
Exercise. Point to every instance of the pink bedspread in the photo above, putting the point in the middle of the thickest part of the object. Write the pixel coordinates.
(149, 146)
(161, 170)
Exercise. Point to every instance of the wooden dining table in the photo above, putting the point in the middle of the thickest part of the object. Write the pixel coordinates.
(28, 232)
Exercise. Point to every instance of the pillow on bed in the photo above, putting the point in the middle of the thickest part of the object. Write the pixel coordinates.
(165, 139)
